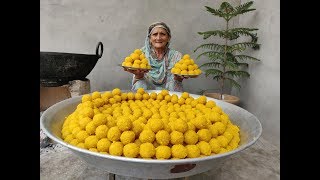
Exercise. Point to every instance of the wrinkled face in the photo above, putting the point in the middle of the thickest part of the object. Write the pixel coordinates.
(159, 38)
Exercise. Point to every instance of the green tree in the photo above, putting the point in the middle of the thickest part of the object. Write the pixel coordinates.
(226, 60)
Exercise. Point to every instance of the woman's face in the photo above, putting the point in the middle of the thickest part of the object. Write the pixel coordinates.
(159, 38)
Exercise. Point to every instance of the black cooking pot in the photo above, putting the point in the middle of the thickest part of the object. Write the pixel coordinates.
(58, 68)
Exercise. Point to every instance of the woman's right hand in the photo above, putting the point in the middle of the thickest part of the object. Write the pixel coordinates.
(139, 73)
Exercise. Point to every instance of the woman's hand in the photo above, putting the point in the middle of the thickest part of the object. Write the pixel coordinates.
(139, 73)
(179, 78)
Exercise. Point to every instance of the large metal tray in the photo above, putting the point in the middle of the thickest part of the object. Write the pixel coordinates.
(250, 130)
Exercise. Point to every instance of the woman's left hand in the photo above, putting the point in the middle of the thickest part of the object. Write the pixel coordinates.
(179, 78)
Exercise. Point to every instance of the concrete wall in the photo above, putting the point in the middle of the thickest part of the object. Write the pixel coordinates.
(76, 26)
(260, 94)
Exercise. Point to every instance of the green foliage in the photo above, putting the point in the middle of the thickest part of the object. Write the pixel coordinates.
(226, 61)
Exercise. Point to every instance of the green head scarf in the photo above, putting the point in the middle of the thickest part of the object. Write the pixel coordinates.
(158, 73)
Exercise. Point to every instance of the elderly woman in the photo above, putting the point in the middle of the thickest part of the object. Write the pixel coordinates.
(161, 58)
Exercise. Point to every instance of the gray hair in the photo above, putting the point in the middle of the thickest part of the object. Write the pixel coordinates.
(159, 24)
